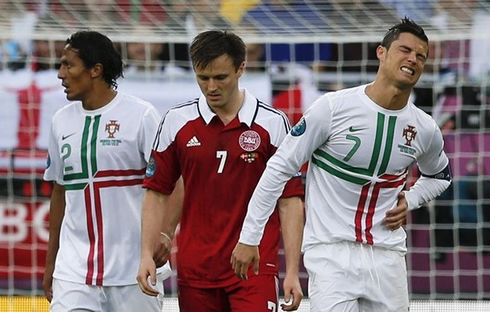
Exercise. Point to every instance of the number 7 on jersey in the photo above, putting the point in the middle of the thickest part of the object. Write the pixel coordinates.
(222, 155)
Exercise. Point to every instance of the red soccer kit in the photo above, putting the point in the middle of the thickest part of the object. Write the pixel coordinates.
(220, 166)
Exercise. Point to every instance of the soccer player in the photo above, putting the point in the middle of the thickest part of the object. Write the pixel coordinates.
(360, 143)
(219, 144)
(98, 151)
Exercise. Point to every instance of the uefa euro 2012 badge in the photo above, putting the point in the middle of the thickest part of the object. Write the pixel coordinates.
(151, 167)
(299, 128)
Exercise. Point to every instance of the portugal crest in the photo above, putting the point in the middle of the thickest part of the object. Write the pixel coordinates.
(111, 128)
(409, 134)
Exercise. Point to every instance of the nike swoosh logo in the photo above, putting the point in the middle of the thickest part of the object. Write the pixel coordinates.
(64, 137)
(351, 129)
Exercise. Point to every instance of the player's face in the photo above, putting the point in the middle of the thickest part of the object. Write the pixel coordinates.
(219, 82)
(75, 77)
(404, 61)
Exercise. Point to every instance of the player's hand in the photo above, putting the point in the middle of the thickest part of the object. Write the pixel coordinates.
(241, 258)
(48, 282)
(162, 250)
(147, 269)
(396, 217)
(293, 294)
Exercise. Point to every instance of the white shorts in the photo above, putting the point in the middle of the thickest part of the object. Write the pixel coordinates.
(75, 297)
(350, 276)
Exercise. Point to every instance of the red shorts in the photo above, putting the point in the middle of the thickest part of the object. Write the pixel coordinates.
(258, 293)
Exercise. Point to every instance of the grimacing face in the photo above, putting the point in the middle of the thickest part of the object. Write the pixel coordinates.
(404, 61)
(75, 77)
(219, 81)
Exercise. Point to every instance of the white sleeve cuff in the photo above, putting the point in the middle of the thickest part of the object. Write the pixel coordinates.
(249, 238)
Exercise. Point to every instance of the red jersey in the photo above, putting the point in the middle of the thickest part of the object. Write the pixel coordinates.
(220, 166)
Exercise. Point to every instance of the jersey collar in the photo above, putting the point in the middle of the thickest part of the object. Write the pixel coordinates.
(246, 113)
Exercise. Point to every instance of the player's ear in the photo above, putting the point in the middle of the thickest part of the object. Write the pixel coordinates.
(381, 52)
(97, 70)
(240, 69)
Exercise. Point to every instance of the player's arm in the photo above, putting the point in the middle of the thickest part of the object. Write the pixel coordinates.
(425, 189)
(163, 246)
(56, 214)
(435, 173)
(297, 147)
(156, 209)
(291, 214)
(435, 179)
(428, 187)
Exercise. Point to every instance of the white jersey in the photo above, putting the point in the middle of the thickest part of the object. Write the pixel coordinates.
(100, 158)
(358, 155)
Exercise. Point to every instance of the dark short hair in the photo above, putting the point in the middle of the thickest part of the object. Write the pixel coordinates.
(209, 45)
(93, 48)
(405, 26)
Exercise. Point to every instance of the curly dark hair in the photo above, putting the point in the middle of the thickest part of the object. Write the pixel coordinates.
(95, 48)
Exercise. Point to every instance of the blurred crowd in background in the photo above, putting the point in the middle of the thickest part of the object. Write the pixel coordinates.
(138, 19)
(456, 95)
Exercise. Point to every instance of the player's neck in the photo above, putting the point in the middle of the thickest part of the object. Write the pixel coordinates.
(387, 96)
(96, 100)
(229, 111)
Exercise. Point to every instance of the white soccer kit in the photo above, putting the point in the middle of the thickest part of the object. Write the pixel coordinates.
(100, 158)
(358, 156)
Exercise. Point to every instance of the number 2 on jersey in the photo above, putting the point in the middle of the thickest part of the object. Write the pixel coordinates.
(222, 156)
(66, 152)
